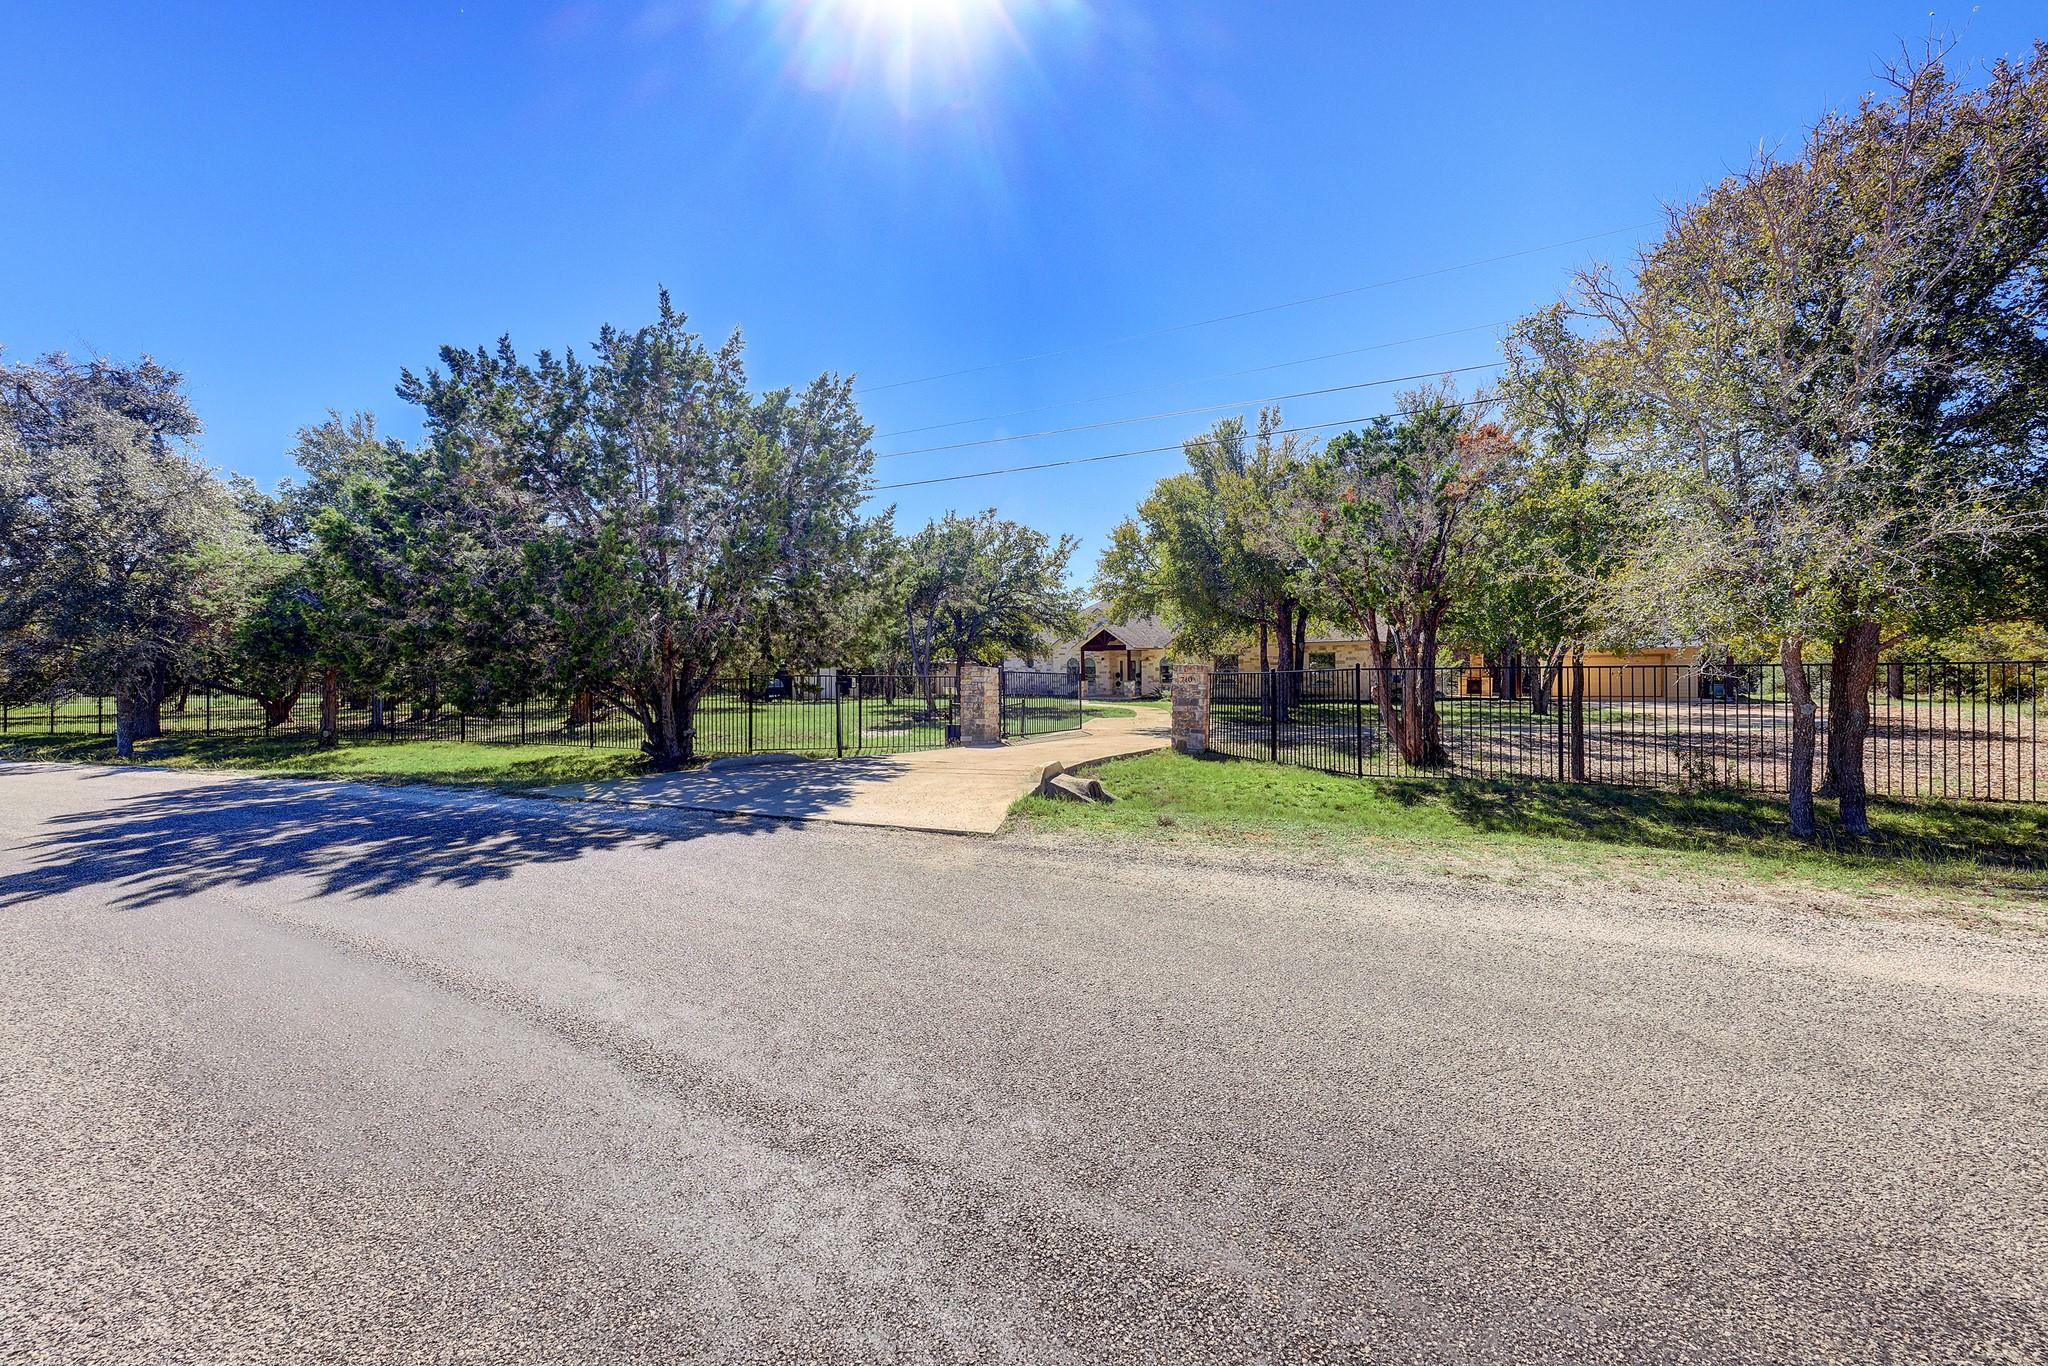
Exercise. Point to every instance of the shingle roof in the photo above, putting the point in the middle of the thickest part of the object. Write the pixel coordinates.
(1144, 633)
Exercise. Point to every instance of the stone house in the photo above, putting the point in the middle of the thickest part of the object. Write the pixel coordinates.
(1135, 659)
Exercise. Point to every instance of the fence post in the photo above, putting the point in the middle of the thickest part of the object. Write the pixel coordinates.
(750, 713)
(1272, 718)
(53, 716)
(209, 709)
(978, 706)
(1581, 772)
(1358, 715)
(838, 718)
(1193, 689)
(462, 727)
(1557, 705)
(99, 715)
(522, 720)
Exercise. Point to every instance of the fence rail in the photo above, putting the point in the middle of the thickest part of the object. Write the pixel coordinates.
(836, 713)
(1939, 730)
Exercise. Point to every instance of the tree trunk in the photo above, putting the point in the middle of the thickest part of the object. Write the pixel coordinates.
(1546, 680)
(664, 747)
(1837, 679)
(1433, 753)
(1409, 735)
(1380, 687)
(330, 707)
(148, 704)
(376, 711)
(1287, 682)
(1852, 678)
(124, 720)
(1799, 766)
(278, 710)
(689, 691)
(1578, 715)
(1417, 732)
(1895, 681)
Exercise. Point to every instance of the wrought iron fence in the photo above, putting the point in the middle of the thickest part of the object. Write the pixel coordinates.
(1937, 730)
(829, 712)
(1039, 703)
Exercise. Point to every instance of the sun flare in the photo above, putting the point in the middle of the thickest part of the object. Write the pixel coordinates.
(922, 54)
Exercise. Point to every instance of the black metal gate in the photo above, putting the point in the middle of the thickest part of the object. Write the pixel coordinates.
(829, 712)
(1039, 703)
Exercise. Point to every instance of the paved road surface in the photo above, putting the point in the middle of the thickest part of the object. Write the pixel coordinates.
(309, 1073)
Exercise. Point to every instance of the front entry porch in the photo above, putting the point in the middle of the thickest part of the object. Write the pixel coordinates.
(1113, 667)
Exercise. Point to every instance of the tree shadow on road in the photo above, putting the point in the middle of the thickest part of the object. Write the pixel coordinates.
(351, 840)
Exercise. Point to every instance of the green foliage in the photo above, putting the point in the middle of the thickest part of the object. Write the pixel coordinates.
(120, 555)
(627, 527)
(982, 587)
(1393, 541)
(1561, 518)
(1836, 362)
(1212, 551)
(271, 654)
(1835, 367)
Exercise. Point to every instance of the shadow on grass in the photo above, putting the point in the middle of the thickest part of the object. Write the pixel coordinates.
(2014, 837)
(294, 754)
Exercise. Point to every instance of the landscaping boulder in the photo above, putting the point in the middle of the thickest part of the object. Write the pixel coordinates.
(1073, 787)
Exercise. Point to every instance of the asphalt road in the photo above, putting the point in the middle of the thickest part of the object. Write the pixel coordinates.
(303, 1072)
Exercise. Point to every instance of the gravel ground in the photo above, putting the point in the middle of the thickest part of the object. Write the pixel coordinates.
(293, 1071)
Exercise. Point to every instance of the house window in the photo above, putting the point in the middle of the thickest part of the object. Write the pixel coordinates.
(1165, 669)
(1088, 669)
(1322, 659)
(1073, 669)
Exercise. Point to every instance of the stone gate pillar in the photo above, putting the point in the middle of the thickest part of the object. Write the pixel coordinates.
(981, 704)
(1191, 708)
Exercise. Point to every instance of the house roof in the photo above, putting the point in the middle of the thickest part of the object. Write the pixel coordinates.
(1145, 633)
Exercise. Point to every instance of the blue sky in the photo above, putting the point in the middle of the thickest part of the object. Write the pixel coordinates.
(290, 208)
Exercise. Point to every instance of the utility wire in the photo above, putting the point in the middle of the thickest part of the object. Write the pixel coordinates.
(1185, 412)
(1197, 379)
(1253, 312)
(1149, 450)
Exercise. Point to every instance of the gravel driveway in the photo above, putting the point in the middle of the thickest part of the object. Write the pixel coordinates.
(303, 1072)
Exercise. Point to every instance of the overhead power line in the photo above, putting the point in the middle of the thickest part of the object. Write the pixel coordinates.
(1149, 450)
(1194, 379)
(1254, 312)
(1185, 412)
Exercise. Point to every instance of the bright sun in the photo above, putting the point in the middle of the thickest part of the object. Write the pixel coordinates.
(922, 53)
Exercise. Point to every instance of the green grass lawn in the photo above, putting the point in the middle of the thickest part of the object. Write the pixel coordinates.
(1167, 798)
(799, 727)
(377, 761)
